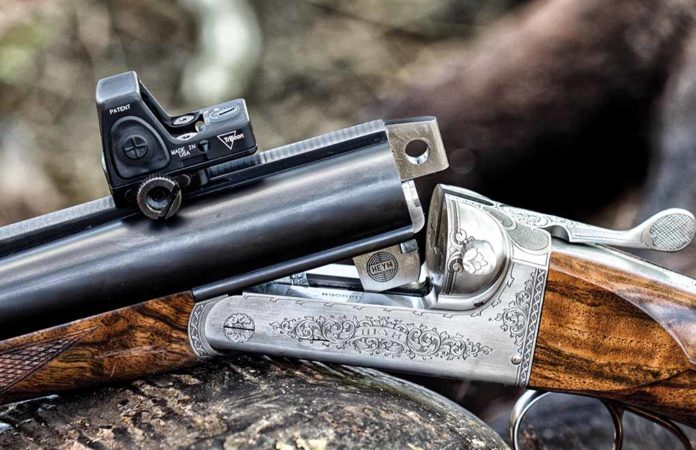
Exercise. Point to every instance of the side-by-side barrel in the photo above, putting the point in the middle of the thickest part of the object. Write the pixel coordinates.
(339, 206)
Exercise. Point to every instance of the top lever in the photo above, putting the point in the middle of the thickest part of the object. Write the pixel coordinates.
(667, 231)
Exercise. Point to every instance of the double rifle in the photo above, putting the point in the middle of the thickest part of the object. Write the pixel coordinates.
(208, 246)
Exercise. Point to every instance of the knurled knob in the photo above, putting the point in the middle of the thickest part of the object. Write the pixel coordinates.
(159, 197)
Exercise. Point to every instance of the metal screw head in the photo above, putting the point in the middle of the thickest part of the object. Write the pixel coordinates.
(183, 120)
(239, 327)
(516, 358)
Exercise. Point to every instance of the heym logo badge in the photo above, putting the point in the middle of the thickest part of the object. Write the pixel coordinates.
(382, 266)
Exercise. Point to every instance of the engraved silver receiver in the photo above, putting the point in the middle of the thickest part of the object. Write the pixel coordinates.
(477, 321)
(472, 311)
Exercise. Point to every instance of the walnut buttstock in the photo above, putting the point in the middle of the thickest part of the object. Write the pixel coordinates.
(127, 343)
(592, 340)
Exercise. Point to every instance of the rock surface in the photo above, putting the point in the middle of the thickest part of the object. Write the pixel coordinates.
(244, 402)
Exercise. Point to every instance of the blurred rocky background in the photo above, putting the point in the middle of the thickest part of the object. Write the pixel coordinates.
(304, 67)
(583, 108)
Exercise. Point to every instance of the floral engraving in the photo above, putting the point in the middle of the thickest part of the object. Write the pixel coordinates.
(537, 220)
(194, 330)
(380, 336)
(516, 315)
(239, 327)
(521, 319)
(465, 257)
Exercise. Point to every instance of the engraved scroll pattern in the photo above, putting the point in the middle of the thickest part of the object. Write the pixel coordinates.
(465, 257)
(196, 336)
(521, 320)
(538, 220)
(380, 336)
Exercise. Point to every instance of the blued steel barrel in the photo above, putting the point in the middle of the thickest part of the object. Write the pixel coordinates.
(288, 221)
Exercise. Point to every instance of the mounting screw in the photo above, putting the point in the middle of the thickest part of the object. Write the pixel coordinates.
(183, 120)
(516, 358)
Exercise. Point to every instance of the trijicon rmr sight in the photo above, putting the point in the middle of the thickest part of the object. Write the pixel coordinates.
(152, 159)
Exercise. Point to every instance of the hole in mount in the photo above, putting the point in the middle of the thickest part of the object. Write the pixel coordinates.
(158, 198)
(417, 151)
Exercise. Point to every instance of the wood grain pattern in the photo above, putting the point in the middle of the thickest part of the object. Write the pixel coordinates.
(127, 343)
(593, 341)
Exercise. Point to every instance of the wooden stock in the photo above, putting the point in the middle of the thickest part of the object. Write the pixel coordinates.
(593, 341)
(124, 344)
